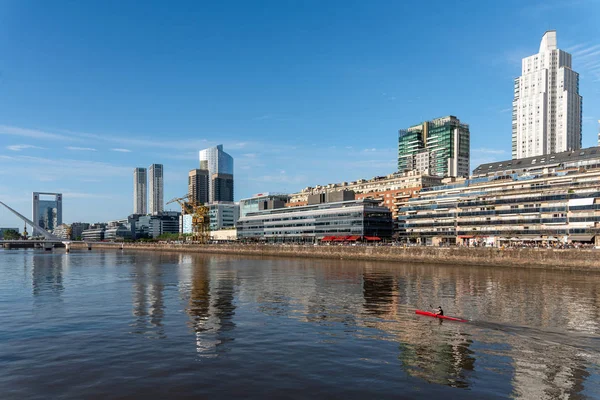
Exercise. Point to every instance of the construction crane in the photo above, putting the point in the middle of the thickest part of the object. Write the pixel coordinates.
(200, 218)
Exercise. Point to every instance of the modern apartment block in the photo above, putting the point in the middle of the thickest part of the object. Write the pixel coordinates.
(439, 147)
(384, 189)
(552, 206)
(547, 106)
(46, 213)
(263, 201)
(361, 218)
(220, 168)
(156, 188)
(198, 185)
(140, 191)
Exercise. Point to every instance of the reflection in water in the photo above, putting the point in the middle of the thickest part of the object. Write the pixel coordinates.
(211, 308)
(533, 334)
(147, 299)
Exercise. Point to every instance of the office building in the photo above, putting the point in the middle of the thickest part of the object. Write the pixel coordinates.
(440, 147)
(263, 201)
(140, 191)
(47, 213)
(547, 107)
(198, 186)
(223, 215)
(220, 167)
(355, 218)
(222, 187)
(156, 192)
(155, 225)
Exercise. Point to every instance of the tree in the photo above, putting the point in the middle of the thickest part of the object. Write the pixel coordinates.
(11, 234)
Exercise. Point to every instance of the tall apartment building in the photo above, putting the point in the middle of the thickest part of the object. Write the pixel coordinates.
(439, 147)
(220, 169)
(46, 213)
(155, 178)
(140, 191)
(198, 185)
(547, 106)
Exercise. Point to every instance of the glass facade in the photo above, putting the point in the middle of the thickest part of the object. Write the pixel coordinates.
(47, 213)
(310, 223)
(216, 161)
(439, 147)
(253, 204)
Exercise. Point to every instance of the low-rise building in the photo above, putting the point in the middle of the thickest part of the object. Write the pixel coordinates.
(381, 188)
(313, 222)
(224, 235)
(262, 201)
(552, 206)
(95, 232)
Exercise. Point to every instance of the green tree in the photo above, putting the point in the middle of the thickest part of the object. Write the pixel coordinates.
(11, 234)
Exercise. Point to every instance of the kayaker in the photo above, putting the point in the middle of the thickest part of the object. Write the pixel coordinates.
(439, 311)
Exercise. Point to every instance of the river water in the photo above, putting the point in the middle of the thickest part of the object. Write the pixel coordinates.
(119, 324)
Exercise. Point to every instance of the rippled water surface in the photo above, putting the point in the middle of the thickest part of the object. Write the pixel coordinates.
(113, 324)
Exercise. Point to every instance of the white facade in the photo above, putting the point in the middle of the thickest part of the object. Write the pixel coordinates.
(155, 179)
(140, 192)
(223, 215)
(547, 105)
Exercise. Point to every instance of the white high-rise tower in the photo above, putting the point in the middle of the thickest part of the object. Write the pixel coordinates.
(547, 105)
(155, 180)
(140, 192)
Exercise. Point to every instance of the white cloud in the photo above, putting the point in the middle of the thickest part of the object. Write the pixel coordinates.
(30, 133)
(19, 147)
(122, 150)
(73, 148)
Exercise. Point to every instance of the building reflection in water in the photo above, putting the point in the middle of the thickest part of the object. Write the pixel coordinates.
(211, 306)
(148, 298)
(47, 274)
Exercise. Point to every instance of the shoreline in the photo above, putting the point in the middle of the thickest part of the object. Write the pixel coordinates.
(550, 259)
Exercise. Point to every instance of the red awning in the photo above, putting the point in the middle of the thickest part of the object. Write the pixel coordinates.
(372, 238)
(327, 239)
(353, 238)
(340, 238)
(465, 236)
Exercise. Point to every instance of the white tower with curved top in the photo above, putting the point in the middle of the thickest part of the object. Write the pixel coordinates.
(547, 105)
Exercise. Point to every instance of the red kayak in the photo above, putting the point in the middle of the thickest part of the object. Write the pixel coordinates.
(430, 314)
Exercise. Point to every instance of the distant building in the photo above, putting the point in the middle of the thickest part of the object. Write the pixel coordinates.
(386, 189)
(198, 185)
(156, 189)
(156, 225)
(263, 201)
(546, 116)
(439, 147)
(77, 229)
(223, 215)
(47, 213)
(220, 166)
(140, 191)
(94, 233)
(359, 218)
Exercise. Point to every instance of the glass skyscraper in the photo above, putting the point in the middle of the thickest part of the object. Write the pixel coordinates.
(140, 191)
(220, 171)
(47, 213)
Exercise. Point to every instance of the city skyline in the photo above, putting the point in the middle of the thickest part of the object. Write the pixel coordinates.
(333, 117)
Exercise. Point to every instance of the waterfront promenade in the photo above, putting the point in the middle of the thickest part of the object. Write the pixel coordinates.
(565, 259)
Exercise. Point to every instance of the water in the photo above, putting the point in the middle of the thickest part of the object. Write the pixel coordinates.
(112, 324)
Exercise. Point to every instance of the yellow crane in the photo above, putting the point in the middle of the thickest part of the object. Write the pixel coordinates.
(200, 218)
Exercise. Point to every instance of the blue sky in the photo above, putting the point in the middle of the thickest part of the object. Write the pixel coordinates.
(298, 92)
